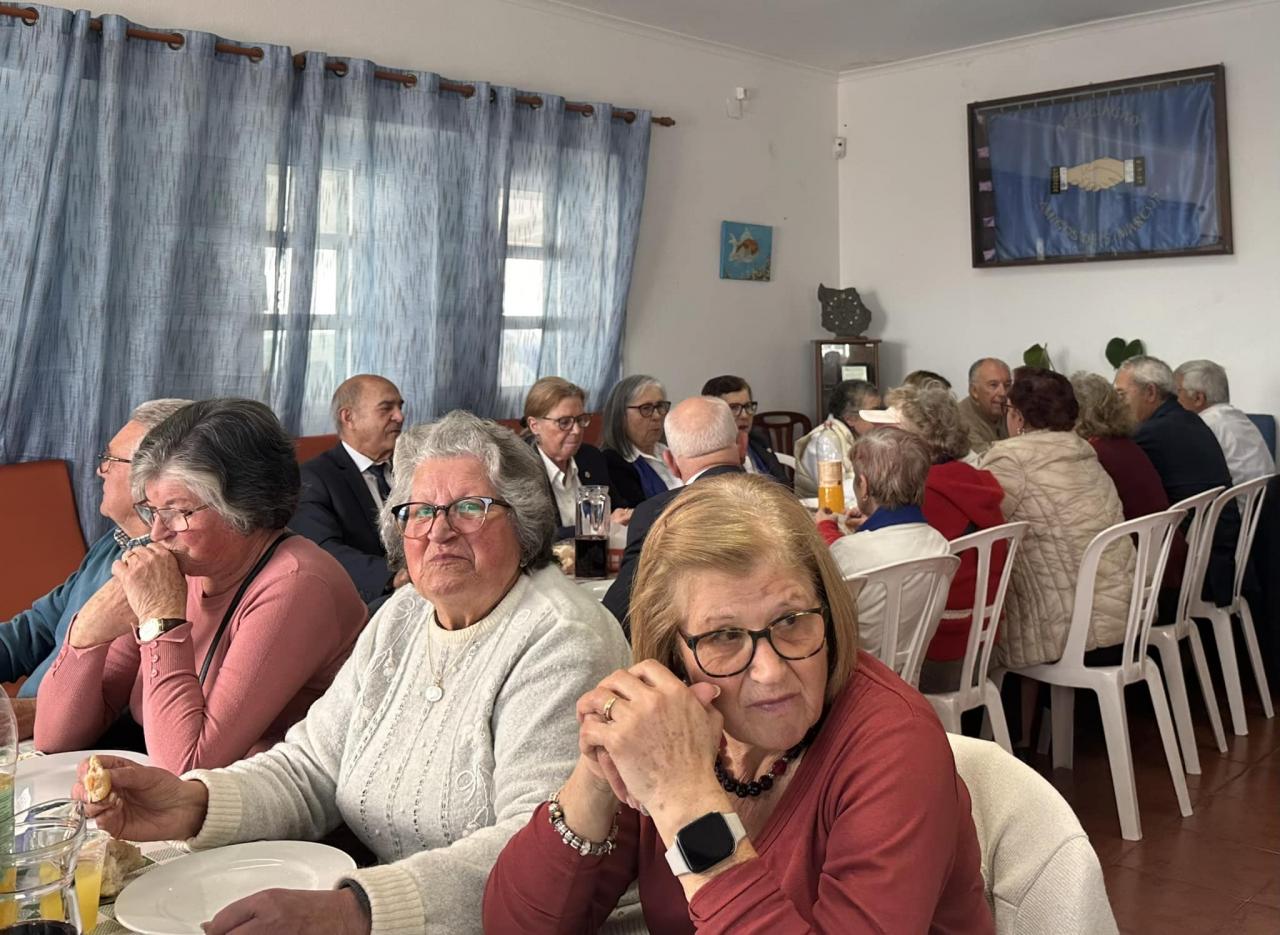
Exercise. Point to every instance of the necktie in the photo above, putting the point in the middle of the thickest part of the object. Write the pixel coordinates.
(379, 472)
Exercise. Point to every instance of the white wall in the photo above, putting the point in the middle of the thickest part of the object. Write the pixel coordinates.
(904, 209)
(773, 166)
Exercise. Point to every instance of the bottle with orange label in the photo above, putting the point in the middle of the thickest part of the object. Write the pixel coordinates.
(830, 458)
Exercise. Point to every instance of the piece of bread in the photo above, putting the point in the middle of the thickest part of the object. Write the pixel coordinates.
(122, 859)
(97, 781)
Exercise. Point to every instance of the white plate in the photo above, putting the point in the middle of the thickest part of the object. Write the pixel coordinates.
(175, 897)
(41, 778)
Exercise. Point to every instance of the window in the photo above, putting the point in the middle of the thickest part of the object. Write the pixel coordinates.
(523, 293)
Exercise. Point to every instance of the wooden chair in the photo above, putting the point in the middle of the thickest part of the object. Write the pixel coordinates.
(308, 446)
(784, 428)
(42, 543)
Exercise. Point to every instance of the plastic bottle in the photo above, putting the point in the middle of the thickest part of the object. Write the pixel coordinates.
(830, 457)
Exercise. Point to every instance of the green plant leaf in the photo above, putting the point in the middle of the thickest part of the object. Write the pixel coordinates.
(1037, 355)
(1119, 350)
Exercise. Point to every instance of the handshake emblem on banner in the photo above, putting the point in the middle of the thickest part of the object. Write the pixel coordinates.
(1098, 175)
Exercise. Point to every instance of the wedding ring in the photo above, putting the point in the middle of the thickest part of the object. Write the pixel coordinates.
(607, 712)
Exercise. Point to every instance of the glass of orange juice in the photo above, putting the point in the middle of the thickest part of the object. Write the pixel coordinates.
(89, 877)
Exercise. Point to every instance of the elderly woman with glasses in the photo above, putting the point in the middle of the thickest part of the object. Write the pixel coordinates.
(207, 644)
(753, 770)
(633, 417)
(446, 728)
(760, 457)
(556, 419)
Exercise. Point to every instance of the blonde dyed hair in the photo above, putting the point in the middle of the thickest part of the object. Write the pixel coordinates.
(1102, 413)
(933, 414)
(734, 524)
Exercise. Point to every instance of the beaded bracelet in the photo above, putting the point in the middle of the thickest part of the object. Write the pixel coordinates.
(581, 845)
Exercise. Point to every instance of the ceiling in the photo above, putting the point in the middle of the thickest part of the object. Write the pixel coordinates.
(839, 35)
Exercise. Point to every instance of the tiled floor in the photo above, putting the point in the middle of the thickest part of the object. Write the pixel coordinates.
(1215, 872)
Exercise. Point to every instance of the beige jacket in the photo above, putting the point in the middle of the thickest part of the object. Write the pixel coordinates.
(1053, 481)
(982, 433)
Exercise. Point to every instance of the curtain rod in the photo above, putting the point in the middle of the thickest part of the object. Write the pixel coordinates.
(175, 40)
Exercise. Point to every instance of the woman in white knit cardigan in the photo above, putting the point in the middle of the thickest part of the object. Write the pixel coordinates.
(452, 720)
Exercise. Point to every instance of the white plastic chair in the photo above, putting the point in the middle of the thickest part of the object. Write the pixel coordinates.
(976, 690)
(939, 570)
(1165, 638)
(1154, 534)
(1041, 874)
(1249, 496)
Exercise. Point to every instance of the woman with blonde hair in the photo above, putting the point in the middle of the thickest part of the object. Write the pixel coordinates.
(774, 773)
(556, 419)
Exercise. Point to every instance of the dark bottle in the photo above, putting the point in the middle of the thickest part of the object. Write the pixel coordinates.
(591, 557)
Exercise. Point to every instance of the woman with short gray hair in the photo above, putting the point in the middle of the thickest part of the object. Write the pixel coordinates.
(208, 643)
(634, 415)
(450, 723)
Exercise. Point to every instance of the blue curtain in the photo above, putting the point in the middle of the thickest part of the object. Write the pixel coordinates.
(184, 222)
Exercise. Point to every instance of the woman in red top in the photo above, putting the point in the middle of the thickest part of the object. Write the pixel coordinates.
(779, 781)
(1106, 423)
(958, 499)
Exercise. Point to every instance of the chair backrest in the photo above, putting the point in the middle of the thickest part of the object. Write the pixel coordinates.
(906, 658)
(308, 446)
(985, 615)
(42, 543)
(1042, 875)
(1249, 497)
(1150, 534)
(782, 427)
(1199, 536)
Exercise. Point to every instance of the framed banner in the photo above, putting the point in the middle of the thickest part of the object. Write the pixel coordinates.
(1115, 171)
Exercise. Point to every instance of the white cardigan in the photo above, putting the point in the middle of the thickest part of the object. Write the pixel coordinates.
(433, 789)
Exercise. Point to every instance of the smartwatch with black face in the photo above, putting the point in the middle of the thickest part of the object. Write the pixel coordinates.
(705, 842)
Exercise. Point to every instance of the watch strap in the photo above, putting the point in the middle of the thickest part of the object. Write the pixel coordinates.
(675, 856)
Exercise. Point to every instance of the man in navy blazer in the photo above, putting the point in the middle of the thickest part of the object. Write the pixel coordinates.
(702, 441)
(1186, 455)
(759, 458)
(344, 487)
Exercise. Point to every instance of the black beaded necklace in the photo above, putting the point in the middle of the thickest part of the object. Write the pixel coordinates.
(779, 768)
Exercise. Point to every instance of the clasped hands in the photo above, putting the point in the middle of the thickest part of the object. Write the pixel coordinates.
(145, 582)
(658, 745)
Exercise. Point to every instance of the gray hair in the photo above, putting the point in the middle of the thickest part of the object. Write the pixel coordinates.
(977, 365)
(615, 409)
(693, 431)
(849, 396)
(155, 411)
(514, 470)
(1204, 376)
(233, 454)
(934, 415)
(895, 464)
(1150, 371)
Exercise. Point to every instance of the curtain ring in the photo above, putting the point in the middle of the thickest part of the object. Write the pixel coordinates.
(410, 81)
(340, 69)
(29, 16)
(256, 54)
(177, 42)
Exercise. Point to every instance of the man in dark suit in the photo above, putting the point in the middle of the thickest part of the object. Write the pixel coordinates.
(759, 459)
(1186, 455)
(343, 488)
(702, 441)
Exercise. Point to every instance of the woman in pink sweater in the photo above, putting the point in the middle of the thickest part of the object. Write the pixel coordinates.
(218, 635)
(775, 779)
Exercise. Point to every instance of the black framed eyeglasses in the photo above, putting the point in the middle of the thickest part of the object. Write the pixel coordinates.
(464, 515)
(647, 410)
(106, 459)
(174, 519)
(728, 651)
(564, 423)
(739, 408)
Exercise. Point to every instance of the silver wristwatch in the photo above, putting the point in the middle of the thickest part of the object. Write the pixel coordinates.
(153, 627)
(705, 842)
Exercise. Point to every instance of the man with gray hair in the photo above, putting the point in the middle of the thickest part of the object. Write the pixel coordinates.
(343, 488)
(702, 441)
(1202, 388)
(31, 640)
(982, 411)
(1186, 455)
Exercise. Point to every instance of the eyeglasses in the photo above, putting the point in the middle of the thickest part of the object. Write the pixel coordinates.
(739, 408)
(173, 519)
(465, 515)
(564, 423)
(726, 652)
(647, 410)
(105, 460)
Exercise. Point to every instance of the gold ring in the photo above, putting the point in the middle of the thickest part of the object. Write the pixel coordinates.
(607, 713)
